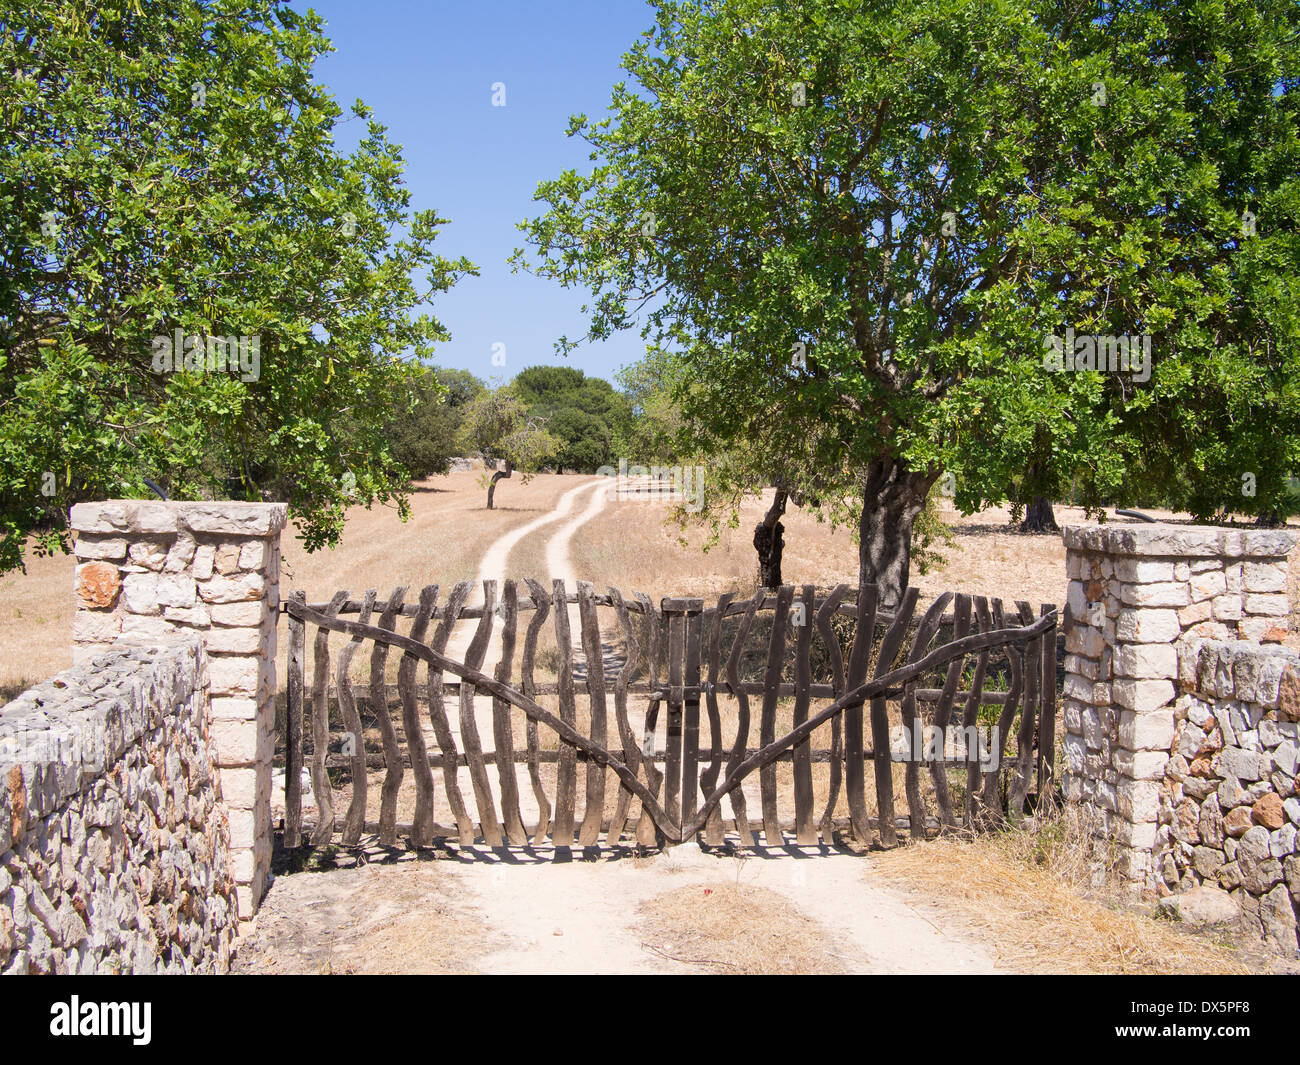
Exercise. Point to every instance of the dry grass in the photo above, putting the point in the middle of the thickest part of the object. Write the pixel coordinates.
(449, 529)
(632, 546)
(732, 928)
(1040, 898)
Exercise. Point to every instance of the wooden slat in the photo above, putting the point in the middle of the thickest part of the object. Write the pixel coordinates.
(925, 633)
(293, 721)
(889, 647)
(631, 748)
(728, 826)
(739, 751)
(832, 644)
(806, 827)
(767, 723)
(355, 818)
(992, 777)
(691, 717)
(784, 691)
(567, 768)
(864, 636)
(502, 733)
(943, 715)
(379, 705)
(709, 778)
(320, 720)
(1047, 713)
(422, 830)
(676, 678)
(438, 715)
(970, 712)
(487, 815)
(646, 831)
(542, 603)
(848, 610)
(1028, 708)
(594, 811)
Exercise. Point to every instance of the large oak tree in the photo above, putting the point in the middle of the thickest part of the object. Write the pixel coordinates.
(857, 224)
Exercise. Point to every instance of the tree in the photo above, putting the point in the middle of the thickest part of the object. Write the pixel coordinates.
(497, 425)
(859, 229)
(583, 413)
(196, 286)
(653, 432)
(427, 432)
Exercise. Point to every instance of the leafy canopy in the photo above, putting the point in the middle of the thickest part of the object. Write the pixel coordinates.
(169, 165)
(854, 226)
(585, 414)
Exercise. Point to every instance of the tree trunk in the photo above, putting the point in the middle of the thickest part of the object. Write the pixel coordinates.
(891, 500)
(499, 475)
(1039, 517)
(769, 542)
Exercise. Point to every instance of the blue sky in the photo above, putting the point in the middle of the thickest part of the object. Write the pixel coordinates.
(427, 70)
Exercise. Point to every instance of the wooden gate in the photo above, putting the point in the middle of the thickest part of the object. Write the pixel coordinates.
(686, 684)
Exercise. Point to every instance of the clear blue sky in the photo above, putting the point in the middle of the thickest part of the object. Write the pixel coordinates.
(427, 70)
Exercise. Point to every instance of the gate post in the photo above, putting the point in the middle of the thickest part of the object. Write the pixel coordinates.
(1140, 597)
(682, 755)
(150, 568)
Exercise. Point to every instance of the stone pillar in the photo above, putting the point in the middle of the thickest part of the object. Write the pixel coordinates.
(150, 568)
(1138, 595)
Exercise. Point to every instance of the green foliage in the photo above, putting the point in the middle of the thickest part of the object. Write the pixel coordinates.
(497, 425)
(931, 534)
(583, 413)
(425, 436)
(654, 432)
(170, 165)
(855, 226)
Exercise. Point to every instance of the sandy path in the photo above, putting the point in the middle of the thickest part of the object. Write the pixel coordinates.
(495, 560)
(495, 567)
(526, 912)
(580, 917)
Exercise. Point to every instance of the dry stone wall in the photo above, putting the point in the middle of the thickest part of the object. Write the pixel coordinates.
(1228, 805)
(113, 843)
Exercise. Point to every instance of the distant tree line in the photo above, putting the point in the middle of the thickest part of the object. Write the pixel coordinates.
(552, 417)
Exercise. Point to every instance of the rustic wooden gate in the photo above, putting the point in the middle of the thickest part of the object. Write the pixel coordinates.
(818, 667)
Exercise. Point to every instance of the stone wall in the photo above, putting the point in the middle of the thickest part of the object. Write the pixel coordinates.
(1141, 596)
(147, 570)
(1228, 806)
(113, 845)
